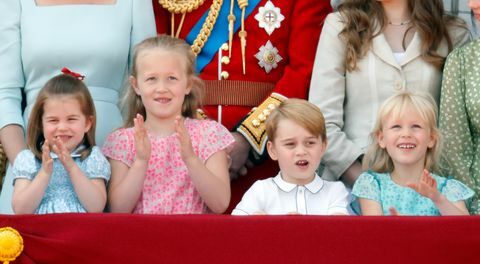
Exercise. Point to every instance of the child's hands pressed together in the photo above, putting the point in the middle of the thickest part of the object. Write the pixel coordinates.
(142, 142)
(427, 186)
(47, 161)
(63, 153)
(186, 149)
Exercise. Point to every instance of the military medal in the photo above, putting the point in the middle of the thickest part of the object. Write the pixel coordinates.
(268, 57)
(269, 17)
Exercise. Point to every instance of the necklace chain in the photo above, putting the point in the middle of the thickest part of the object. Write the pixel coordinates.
(406, 22)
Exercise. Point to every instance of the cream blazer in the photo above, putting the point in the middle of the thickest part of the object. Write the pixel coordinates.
(350, 100)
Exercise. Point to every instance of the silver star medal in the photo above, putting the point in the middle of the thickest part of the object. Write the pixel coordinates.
(268, 57)
(269, 17)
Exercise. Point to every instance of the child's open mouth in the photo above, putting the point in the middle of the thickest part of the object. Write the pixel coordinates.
(302, 163)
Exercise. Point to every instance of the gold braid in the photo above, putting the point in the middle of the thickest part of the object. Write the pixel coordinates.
(242, 33)
(184, 6)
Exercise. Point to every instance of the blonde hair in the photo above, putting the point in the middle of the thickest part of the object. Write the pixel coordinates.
(301, 112)
(60, 86)
(362, 18)
(377, 158)
(133, 103)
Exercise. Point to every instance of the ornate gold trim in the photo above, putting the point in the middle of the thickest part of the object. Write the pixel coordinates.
(253, 127)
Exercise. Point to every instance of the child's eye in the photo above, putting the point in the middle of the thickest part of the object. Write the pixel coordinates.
(150, 79)
(172, 78)
(311, 143)
(395, 127)
(289, 144)
(416, 126)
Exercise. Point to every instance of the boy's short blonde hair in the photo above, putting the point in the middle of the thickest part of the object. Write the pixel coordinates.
(301, 112)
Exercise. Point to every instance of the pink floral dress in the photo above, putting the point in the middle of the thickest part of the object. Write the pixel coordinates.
(167, 188)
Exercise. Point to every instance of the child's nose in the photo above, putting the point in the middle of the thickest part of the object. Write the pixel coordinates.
(300, 150)
(161, 87)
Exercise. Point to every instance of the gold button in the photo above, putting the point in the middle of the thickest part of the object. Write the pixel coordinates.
(266, 112)
(261, 117)
(224, 46)
(224, 75)
(255, 123)
(271, 106)
(225, 60)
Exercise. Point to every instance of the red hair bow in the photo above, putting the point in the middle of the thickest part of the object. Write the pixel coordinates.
(67, 71)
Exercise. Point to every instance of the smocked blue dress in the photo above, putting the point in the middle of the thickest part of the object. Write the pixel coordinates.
(94, 40)
(60, 196)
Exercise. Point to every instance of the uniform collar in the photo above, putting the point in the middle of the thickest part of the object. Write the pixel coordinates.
(313, 186)
(74, 154)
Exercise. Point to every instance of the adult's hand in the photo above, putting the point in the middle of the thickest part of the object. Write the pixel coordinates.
(239, 156)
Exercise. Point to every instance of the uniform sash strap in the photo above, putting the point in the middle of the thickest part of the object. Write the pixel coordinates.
(219, 33)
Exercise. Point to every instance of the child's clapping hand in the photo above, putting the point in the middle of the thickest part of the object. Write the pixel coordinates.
(186, 149)
(427, 186)
(47, 161)
(63, 153)
(142, 142)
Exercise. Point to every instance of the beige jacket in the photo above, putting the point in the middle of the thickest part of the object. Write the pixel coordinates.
(350, 100)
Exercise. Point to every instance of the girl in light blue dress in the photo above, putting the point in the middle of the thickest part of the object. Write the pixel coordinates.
(38, 37)
(405, 149)
(62, 171)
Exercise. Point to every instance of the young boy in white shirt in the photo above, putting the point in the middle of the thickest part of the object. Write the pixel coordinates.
(297, 140)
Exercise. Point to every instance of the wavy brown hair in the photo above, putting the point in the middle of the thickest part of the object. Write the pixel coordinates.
(133, 103)
(365, 19)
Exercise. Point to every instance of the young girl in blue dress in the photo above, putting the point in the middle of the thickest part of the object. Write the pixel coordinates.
(62, 170)
(401, 161)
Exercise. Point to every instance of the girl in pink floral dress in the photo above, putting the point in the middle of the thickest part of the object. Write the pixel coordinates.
(169, 162)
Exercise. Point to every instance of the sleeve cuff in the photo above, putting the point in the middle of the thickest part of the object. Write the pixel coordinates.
(253, 127)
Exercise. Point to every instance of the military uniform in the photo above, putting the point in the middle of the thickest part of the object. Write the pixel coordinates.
(242, 86)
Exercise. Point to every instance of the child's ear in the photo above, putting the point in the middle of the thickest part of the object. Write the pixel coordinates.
(134, 84)
(433, 140)
(190, 83)
(88, 123)
(272, 152)
(379, 136)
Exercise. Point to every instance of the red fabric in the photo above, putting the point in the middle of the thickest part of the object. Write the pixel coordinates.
(122, 238)
(296, 41)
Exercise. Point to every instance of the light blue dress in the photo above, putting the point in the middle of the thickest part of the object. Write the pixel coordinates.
(94, 40)
(381, 188)
(60, 197)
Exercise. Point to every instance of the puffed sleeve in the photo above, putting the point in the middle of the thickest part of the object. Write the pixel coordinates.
(252, 200)
(456, 191)
(26, 166)
(339, 201)
(119, 145)
(327, 91)
(213, 138)
(11, 77)
(305, 28)
(143, 23)
(367, 186)
(97, 166)
(454, 118)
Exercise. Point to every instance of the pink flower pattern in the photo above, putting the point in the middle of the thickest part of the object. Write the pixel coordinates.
(167, 188)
